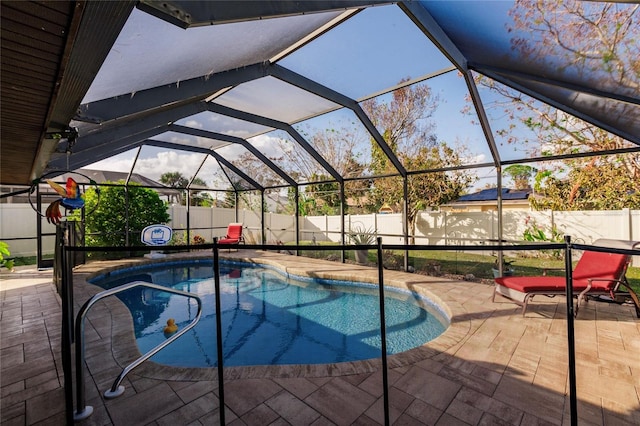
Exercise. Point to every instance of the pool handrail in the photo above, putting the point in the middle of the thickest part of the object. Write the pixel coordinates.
(82, 410)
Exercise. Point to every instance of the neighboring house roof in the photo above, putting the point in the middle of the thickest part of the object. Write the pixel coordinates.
(102, 176)
(491, 194)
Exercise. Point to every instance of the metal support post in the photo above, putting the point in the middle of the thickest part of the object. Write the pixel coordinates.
(570, 333)
(216, 275)
(383, 334)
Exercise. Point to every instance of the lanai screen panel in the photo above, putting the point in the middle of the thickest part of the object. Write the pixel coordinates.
(150, 52)
(153, 162)
(370, 52)
(520, 132)
(122, 162)
(214, 176)
(237, 182)
(456, 120)
(276, 99)
(278, 201)
(190, 140)
(429, 125)
(251, 165)
(287, 154)
(219, 123)
(484, 177)
(340, 137)
(618, 114)
(555, 47)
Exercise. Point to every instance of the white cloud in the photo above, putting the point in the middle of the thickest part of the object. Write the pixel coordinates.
(189, 140)
(268, 145)
(113, 164)
(169, 161)
(475, 159)
(194, 123)
(153, 167)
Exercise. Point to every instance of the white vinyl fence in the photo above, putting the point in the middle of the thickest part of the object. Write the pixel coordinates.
(20, 221)
(18, 226)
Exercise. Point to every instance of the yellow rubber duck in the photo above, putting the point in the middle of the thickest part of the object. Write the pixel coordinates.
(171, 327)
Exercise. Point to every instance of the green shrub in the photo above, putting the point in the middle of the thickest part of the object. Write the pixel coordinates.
(107, 224)
(4, 253)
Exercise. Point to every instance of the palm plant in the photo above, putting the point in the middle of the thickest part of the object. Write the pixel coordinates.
(365, 237)
(360, 235)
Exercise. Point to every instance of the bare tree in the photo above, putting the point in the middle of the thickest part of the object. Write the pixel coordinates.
(339, 147)
(405, 123)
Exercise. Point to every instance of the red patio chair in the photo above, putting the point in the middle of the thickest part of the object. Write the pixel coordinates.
(596, 273)
(233, 236)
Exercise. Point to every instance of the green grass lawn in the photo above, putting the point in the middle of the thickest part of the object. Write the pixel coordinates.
(462, 264)
(23, 261)
(633, 275)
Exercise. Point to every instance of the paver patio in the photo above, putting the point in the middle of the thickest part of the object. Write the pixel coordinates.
(491, 367)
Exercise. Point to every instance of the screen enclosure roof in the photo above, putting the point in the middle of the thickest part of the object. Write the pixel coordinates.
(241, 83)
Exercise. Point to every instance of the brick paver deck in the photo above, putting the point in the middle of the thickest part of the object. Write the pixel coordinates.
(491, 367)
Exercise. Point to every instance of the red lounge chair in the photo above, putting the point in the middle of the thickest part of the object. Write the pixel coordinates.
(596, 273)
(234, 234)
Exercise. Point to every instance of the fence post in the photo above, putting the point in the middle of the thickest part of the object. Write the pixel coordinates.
(375, 223)
(326, 227)
(444, 224)
(627, 224)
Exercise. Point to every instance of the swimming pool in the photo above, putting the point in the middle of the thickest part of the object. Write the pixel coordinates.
(268, 319)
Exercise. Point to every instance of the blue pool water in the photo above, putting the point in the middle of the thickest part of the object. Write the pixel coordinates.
(268, 319)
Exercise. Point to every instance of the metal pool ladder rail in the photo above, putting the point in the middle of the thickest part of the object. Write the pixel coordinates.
(82, 410)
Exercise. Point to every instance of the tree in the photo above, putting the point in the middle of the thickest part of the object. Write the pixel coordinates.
(306, 205)
(596, 41)
(338, 146)
(260, 172)
(325, 196)
(246, 199)
(174, 180)
(120, 210)
(197, 196)
(599, 185)
(406, 127)
(230, 199)
(177, 181)
(520, 174)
